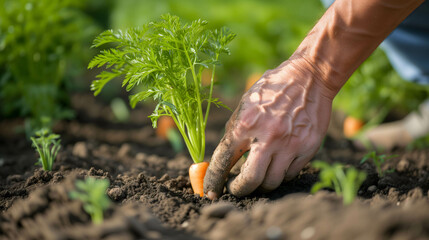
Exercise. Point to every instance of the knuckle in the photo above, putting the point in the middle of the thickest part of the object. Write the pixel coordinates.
(312, 143)
(268, 73)
(290, 176)
(270, 185)
(252, 179)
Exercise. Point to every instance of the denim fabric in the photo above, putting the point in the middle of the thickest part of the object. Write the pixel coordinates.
(407, 47)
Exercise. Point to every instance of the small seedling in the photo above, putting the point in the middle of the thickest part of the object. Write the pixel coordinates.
(47, 145)
(92, 192)
(345, 182)
(378, 160)
(120, 110)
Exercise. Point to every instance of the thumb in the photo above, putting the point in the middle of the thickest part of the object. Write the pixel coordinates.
(224, 158)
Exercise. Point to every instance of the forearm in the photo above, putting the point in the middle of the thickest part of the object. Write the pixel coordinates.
(347, 34)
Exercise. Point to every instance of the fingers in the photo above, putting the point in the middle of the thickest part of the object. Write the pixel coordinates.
(283, 167)
(252, 173)
(296, 166)
(224, 157)
(276, 171)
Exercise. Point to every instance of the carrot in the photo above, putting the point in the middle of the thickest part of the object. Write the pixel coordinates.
(165, 123)
(167, 130)
(351, 126)
(254, 77)
(206, 77)
(197, 171)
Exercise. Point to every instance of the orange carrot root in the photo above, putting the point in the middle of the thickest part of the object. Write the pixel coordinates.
(165, 123)
(252, 79)
(351, 126)
(197, 171)
(206, 77)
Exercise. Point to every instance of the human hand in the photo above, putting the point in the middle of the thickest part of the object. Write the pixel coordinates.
(281, 121)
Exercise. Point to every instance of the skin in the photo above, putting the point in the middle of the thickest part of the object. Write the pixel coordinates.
(283, 118)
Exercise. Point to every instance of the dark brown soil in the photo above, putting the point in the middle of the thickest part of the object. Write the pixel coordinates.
(152, 197)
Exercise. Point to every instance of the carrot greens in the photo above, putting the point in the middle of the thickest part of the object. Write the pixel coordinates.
(164, 60)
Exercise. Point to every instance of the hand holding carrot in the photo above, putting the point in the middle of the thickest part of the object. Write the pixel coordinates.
(281, 121)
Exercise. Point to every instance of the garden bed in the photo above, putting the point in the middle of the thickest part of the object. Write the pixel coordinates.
(153, 198)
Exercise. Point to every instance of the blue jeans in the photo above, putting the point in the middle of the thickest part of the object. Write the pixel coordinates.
(407, 47)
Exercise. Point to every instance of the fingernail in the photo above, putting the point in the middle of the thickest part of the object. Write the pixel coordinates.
(211, 195)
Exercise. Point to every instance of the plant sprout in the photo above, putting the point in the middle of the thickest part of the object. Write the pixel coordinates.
(47, 145)
(378, 161)
(164, 60)
(92, 192)
(345, 182)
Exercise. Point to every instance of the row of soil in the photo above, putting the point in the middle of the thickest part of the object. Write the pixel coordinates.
(152, 197)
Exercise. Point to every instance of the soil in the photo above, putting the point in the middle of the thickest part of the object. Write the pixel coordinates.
(152, 198)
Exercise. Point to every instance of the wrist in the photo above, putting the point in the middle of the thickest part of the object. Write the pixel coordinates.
(348, 32)
(324, 75)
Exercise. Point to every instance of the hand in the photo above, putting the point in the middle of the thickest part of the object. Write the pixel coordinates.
(281, 121)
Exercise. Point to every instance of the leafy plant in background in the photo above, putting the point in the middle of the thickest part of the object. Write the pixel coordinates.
(47, 145)
(92, 192)
(345, 181)
(378, 161)
(120, 110)
(375, 90)
(165, 59)
(40, 45)
(420, 143)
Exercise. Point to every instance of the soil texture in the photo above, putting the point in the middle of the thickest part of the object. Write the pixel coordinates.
(152, 197)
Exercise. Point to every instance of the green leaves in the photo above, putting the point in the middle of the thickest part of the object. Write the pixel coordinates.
(368, 94)
(41, 43)
(165, 59)
(47, 145)
(345, 182)
(92, 192)
(378, 161)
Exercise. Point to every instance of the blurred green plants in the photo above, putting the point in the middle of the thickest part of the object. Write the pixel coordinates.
(92, 193)
(378, 161)
(345, 181)
(376, 90)
(42, 42)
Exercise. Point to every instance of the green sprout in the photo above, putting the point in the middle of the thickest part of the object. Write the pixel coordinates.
(345, 182)
(92, 192)
(47, 145)
(120, 110)
(164, 60)
(378, 160)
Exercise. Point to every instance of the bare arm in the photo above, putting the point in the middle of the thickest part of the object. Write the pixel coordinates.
(348, 32)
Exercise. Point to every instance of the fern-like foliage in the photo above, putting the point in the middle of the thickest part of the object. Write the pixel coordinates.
(165, 59)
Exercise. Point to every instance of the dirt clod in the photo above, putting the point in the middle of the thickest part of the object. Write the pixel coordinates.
(217, 210)
(80, 150)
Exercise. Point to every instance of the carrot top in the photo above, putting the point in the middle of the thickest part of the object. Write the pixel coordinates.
(165, 59)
